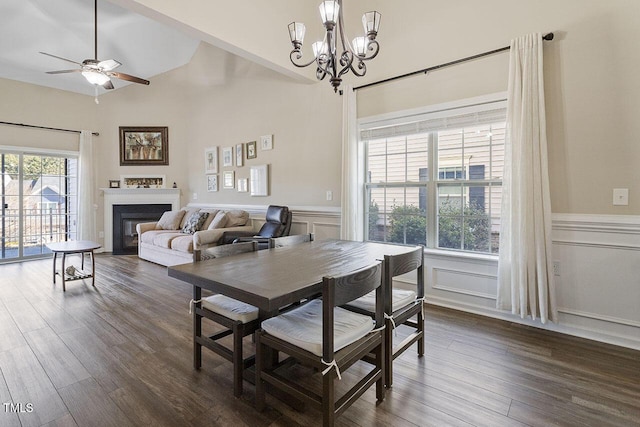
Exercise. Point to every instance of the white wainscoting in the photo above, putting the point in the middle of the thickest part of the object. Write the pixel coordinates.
(598, 289)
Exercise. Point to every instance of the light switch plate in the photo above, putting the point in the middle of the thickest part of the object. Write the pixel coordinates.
(620, 196)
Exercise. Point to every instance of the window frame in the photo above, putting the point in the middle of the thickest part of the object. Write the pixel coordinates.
(434, 183)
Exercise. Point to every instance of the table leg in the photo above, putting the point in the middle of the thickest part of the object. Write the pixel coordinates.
(197, 329)
(93, 268)
(55, 256)
(82, 260)
(63, 272)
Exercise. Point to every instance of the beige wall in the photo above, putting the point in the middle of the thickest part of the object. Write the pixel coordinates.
(592, 95)
(40, 106)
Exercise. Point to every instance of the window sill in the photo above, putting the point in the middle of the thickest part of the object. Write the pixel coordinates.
(461, 256)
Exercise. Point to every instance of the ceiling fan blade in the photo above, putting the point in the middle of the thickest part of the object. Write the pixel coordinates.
(59, 57)
(127, 77)
(108, 64)
(77, 70)
(108, 85)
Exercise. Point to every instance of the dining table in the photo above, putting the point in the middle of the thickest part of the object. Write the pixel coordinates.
(274, 278)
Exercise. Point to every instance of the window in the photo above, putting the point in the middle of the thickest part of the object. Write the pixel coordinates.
(39, 198)
(435, 179)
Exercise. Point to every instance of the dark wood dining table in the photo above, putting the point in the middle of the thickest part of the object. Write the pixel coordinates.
(274, 278)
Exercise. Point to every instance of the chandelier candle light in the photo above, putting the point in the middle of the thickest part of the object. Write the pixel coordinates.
(325, 52)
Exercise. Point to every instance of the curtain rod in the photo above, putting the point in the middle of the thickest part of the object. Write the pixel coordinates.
(548, 36)
(45, 127)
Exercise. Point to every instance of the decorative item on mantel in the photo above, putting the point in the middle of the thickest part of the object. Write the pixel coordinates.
(326, 54)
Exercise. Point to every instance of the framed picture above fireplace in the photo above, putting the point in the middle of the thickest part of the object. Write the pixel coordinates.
(144, 145)
(143, 181)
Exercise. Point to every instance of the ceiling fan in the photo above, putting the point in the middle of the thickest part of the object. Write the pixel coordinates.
(97, 72)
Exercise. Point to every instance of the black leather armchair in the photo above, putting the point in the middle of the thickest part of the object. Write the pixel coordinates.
(278, 224)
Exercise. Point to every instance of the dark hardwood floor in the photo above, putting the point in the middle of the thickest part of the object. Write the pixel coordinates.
(120, 355)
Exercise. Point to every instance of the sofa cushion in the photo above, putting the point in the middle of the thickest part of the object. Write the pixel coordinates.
(236, 218)
(183, 243)
(194, 222)
(170, 220)
(148, 236)
(220, 221)
(188, 211)
(163, 240)
(212, 214)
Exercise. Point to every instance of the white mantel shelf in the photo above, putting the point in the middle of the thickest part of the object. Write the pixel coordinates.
(134, 196)
(135, 191)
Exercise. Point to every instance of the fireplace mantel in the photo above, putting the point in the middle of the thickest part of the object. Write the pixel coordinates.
(134, 196)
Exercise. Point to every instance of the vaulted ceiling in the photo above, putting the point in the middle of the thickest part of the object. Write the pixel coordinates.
(148, 37)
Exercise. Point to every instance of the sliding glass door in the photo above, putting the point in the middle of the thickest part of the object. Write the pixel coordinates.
(38, 203)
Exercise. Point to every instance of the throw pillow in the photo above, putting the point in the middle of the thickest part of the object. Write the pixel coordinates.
(220, 221)
(170, 220)
(212, 215)
(236, 218)
(188, 211)
(194, 222)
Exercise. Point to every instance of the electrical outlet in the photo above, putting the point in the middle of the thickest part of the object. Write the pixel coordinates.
(195, 196)
(101, 234)
(329, 195)
(556, 268)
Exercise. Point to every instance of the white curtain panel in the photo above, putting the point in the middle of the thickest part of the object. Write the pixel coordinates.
(351, 201)
(525, 267)
(86, 184)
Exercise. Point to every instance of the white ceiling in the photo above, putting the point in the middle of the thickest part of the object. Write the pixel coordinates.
(65, 28)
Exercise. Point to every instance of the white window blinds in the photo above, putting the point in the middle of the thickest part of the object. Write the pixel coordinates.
(434, 121)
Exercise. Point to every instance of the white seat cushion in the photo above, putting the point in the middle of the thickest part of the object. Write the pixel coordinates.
(231, 308)
(302, 327)
(400, 298)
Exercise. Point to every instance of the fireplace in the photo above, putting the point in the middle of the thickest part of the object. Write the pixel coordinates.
(125, 219)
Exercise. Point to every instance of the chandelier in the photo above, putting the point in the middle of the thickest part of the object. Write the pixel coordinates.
(326, 54)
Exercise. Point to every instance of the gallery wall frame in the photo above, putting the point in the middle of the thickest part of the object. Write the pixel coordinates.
(211, 160)
(228, 179)
(144, 145)
(259, 180)
(212, 183)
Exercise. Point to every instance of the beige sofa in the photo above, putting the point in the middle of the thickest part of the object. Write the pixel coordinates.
(167, 242)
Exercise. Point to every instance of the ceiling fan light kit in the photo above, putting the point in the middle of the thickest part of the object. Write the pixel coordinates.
(97, 72)
(326, 56)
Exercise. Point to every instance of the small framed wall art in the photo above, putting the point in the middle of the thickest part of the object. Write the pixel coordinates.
(227, 156)
(243, 185)
(266, 142)
(212, 183)
(114, 183)
(239, 154)
(251, 150)
(228, 178)
(211, 160)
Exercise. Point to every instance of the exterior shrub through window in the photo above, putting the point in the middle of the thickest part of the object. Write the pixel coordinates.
(435, 179)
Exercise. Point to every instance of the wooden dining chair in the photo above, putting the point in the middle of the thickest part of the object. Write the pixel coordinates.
(296, 239)
(330, 339)
(401, 307)
(238, 319)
